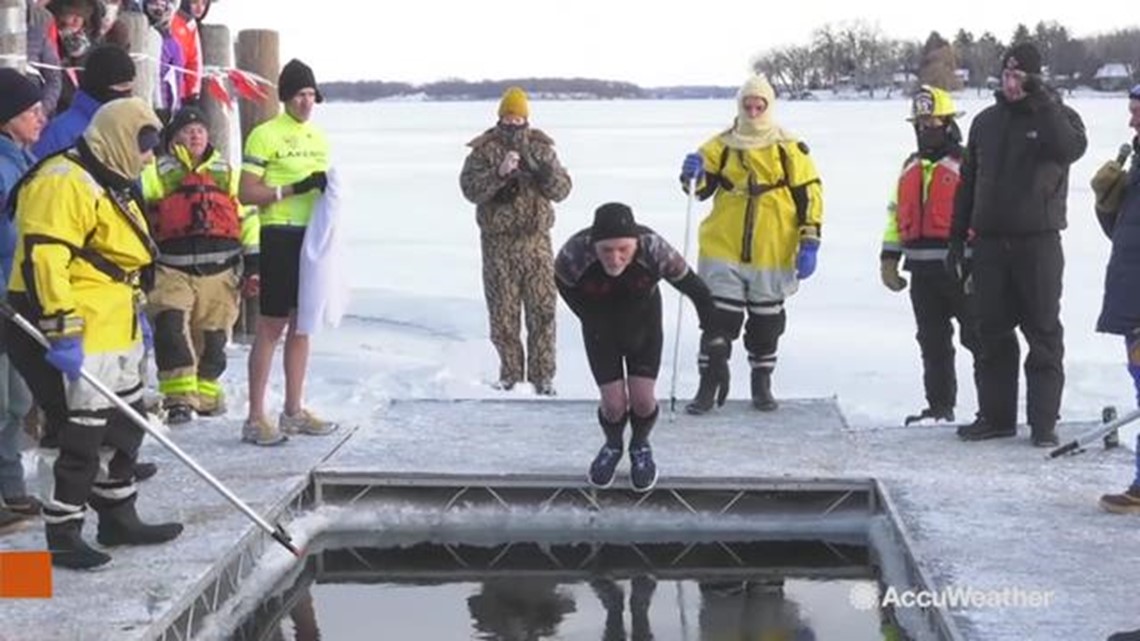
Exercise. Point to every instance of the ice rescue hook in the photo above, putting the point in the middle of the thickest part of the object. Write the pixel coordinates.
(681, 302)
(1078, 444)
(276, 531)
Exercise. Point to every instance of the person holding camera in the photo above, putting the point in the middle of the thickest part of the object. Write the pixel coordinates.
(283, 173)
(1013, 191)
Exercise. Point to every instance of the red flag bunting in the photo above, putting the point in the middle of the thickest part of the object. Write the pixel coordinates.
(246, 86)
(218, 91)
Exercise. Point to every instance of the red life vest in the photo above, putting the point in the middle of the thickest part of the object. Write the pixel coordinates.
(929, 217)
(197, 207)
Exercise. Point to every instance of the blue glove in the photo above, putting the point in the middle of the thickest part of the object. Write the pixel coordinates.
(66, 355)
(146, 330)
(693, 168)
(805, 259)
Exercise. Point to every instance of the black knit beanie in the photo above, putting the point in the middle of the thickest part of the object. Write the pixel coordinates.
(17, 94)
(1023, 56)
(613, 220)
(105, 66)
(295, 76)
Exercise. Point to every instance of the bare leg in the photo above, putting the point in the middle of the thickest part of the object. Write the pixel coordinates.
(615, 401)
(642, 395)
(296, 362)
(260, 361)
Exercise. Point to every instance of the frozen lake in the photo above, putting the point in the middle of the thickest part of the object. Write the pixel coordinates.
(415, 253)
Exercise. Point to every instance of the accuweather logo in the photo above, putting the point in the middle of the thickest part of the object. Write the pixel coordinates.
(867, 597)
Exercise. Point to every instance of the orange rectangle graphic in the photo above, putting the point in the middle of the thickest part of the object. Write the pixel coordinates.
(25, 575)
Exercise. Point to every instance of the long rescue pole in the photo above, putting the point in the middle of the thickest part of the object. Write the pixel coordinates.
(276, 531)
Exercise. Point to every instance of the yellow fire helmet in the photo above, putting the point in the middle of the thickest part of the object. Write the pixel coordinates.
(934, 102)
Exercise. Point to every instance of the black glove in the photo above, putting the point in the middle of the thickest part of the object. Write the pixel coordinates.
(1037, 94)
(316, 180)
(717, 349)
(956, 261)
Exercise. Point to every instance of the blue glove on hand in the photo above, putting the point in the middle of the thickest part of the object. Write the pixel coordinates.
(805, 259)
(66, 355)
(146, 330)
(693, 168)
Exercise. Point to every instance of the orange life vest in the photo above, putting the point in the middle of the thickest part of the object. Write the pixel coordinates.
(197, 207)
(928, 217)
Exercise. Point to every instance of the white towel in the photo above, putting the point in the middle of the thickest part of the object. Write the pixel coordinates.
(323, 294)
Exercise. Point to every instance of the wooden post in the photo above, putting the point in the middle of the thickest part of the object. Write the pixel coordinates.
(13, 34)
(217, 51)
(146, 49)
(257, 52)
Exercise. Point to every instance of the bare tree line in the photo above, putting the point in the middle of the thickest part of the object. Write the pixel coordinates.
(860, 56)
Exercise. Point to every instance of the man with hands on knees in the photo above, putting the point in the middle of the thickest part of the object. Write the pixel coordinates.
(608, 275)
(283, 173)
(760, 240)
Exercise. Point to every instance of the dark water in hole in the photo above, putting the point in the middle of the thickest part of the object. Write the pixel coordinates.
(620, 592)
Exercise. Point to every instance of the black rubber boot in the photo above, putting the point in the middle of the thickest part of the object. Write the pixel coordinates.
(713, 365)
(705, 399)
(762, 398)
(1045, 436)
(69, 550)
(145, 470)
(120, 525)
(983, 430)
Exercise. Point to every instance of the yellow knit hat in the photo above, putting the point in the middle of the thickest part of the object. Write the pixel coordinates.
(514, 103)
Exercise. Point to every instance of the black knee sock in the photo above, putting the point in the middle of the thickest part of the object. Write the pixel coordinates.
(642, 426)
(614, 430)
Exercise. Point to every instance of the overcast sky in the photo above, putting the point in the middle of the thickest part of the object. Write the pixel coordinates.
(642, 41)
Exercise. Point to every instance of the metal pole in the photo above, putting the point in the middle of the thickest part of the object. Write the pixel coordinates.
(278, 533)
(1077, 445)
(681, 303)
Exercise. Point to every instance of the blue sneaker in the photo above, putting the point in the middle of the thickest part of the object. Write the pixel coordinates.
(642, 469)
(604, 466)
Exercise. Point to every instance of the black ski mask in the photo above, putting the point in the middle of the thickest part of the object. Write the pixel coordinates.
(936, 142)
(512, 134)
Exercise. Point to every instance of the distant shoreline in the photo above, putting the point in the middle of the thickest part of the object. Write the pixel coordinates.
(590, 89)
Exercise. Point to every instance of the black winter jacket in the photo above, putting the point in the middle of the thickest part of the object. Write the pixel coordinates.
(1015, 174)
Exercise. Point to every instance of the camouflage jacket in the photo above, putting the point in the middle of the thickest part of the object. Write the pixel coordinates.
(521, 203)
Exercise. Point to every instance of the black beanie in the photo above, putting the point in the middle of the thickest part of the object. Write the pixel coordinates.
(106, 65)
(17, 94)
(295, 76)
(1022, 56)
(613, 220)
(186, 116)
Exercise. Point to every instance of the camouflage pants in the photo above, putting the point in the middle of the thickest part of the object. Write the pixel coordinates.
(192, 316)
(518, 276)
